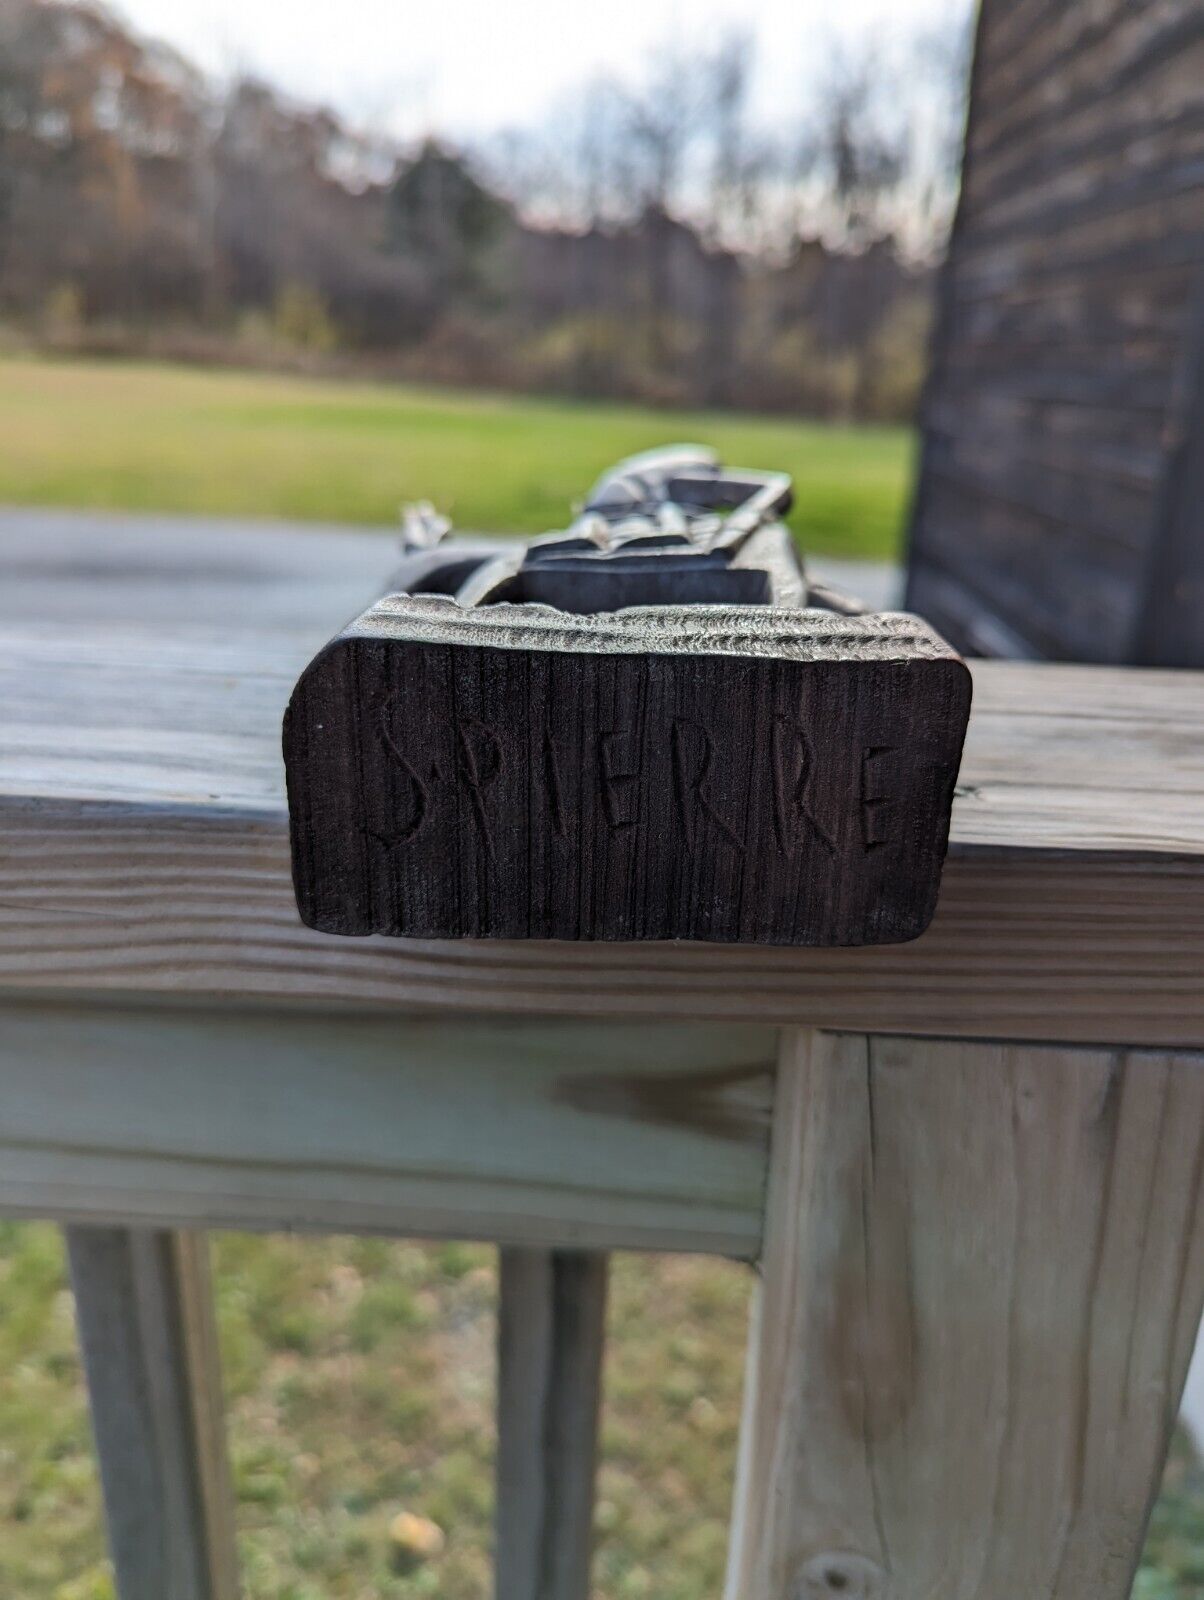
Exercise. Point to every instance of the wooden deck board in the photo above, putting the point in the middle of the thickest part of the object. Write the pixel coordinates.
(144, 667)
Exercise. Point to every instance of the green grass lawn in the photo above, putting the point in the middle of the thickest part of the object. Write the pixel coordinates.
(157, 438)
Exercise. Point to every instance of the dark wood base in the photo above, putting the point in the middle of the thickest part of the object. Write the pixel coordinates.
(731, 774)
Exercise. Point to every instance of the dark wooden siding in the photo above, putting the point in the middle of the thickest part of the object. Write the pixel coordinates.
(1059, 505)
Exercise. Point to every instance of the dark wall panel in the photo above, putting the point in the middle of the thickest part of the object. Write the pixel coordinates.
(1060, 509)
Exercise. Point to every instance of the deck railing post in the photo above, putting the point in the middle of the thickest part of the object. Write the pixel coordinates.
(981, 1285)
(551, 1336)
(144, 1307)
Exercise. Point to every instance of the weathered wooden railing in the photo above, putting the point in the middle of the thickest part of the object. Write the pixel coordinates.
(970, 1167)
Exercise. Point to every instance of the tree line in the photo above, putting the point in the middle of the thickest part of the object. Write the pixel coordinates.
(649, 241)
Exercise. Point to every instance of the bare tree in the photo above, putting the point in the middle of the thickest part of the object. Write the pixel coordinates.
(750, 163)
(662, 116)
(941, 60)
(857, 146)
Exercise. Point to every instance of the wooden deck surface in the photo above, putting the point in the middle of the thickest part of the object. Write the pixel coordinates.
(143, 842)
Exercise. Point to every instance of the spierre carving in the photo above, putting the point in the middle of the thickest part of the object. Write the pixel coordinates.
(649, 726)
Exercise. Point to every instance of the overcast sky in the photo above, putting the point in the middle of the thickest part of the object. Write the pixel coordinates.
(468, 67)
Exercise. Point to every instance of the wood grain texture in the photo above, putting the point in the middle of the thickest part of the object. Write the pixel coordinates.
(650, 1136)
(551, 1334)
(144, 846)
(744, 775)
(981, 1284)
(1105, 947)
(145, 1312)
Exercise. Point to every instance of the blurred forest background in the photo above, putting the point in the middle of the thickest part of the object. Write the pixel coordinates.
(650, 241)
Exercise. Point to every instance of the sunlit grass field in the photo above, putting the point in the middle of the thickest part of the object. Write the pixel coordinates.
(157, 438)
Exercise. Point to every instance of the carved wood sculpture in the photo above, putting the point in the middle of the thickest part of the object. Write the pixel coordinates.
(648, 727)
